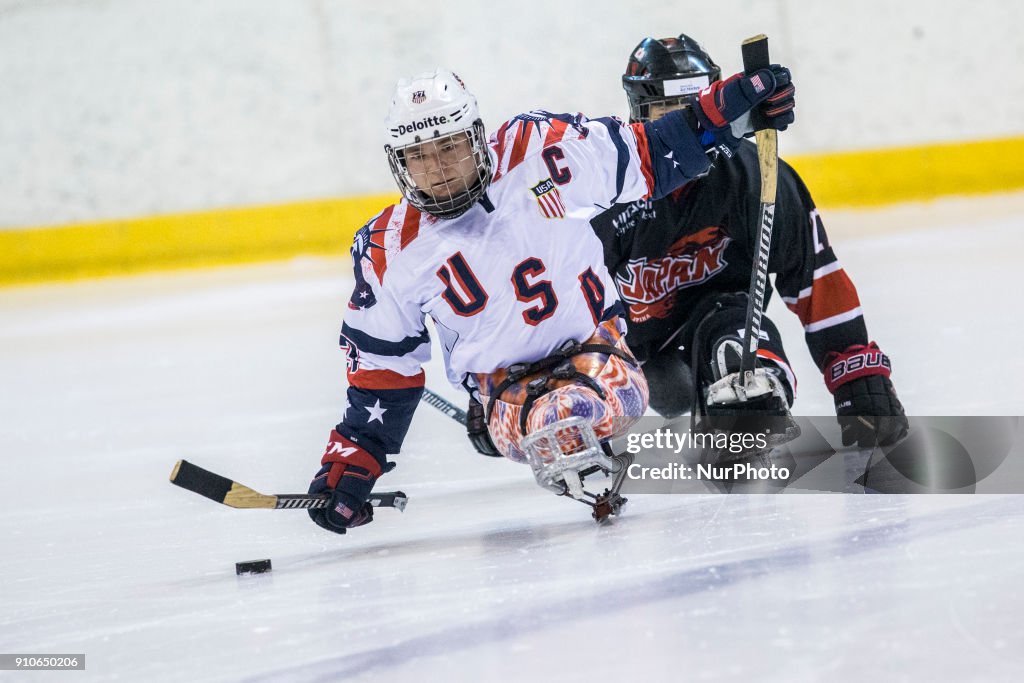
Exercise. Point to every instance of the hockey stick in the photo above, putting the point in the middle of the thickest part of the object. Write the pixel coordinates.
(222, 490)
(755, 56)
(231, 493)
(445, 406)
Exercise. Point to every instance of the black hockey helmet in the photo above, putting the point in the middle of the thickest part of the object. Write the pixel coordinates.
(670, 70)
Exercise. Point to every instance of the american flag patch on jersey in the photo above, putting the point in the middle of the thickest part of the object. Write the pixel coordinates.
(549, 198)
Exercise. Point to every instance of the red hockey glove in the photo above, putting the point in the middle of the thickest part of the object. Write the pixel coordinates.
(348, 473)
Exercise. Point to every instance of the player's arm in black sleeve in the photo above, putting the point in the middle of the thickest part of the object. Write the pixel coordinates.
(814, 285)
(809, 276)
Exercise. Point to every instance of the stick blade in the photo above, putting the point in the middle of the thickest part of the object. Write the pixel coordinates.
(197, 480)
(217, 488)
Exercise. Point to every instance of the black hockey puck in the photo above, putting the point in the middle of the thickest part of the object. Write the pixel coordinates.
(252, 567)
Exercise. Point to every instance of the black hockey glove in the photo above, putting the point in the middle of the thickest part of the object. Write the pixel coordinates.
(476, 430)
(867, 407)
(349, 472)
(724, 108)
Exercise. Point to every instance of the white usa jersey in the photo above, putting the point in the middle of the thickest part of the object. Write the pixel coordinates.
(510, 280)
(515, 276)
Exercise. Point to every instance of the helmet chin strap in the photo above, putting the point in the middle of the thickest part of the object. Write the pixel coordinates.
(454, 206)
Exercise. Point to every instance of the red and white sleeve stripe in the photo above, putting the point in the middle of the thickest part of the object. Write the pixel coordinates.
(830, 300)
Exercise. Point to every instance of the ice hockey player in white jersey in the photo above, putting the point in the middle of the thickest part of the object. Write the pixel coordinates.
(492, 240)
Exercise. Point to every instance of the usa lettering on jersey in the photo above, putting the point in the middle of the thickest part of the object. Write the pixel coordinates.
(549, 199)
(509, 281)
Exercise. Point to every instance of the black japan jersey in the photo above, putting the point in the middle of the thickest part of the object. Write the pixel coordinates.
(666, 255)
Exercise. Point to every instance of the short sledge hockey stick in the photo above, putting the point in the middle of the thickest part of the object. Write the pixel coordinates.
(445, 406)
(222, 490)
(755, 56)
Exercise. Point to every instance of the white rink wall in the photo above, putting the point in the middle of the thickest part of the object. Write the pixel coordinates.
(121, 108)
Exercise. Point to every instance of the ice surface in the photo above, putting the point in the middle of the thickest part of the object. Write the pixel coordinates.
(486, 577)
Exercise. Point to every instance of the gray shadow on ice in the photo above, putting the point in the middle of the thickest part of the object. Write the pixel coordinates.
(674, 585)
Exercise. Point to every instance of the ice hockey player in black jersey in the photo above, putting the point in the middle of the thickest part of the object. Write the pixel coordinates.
(682, 267)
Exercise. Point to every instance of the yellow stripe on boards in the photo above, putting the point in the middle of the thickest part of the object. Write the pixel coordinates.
(266, 233)
(905, 174)
(204, 238)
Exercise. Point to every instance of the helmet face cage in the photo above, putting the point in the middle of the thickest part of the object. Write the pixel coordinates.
(640, 107)
(458, 176)
(669, 71)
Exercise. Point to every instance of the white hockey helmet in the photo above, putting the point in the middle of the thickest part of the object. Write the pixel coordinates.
(434, 123)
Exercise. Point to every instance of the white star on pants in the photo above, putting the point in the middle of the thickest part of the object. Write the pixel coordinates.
(675, 164)
(376, 412)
